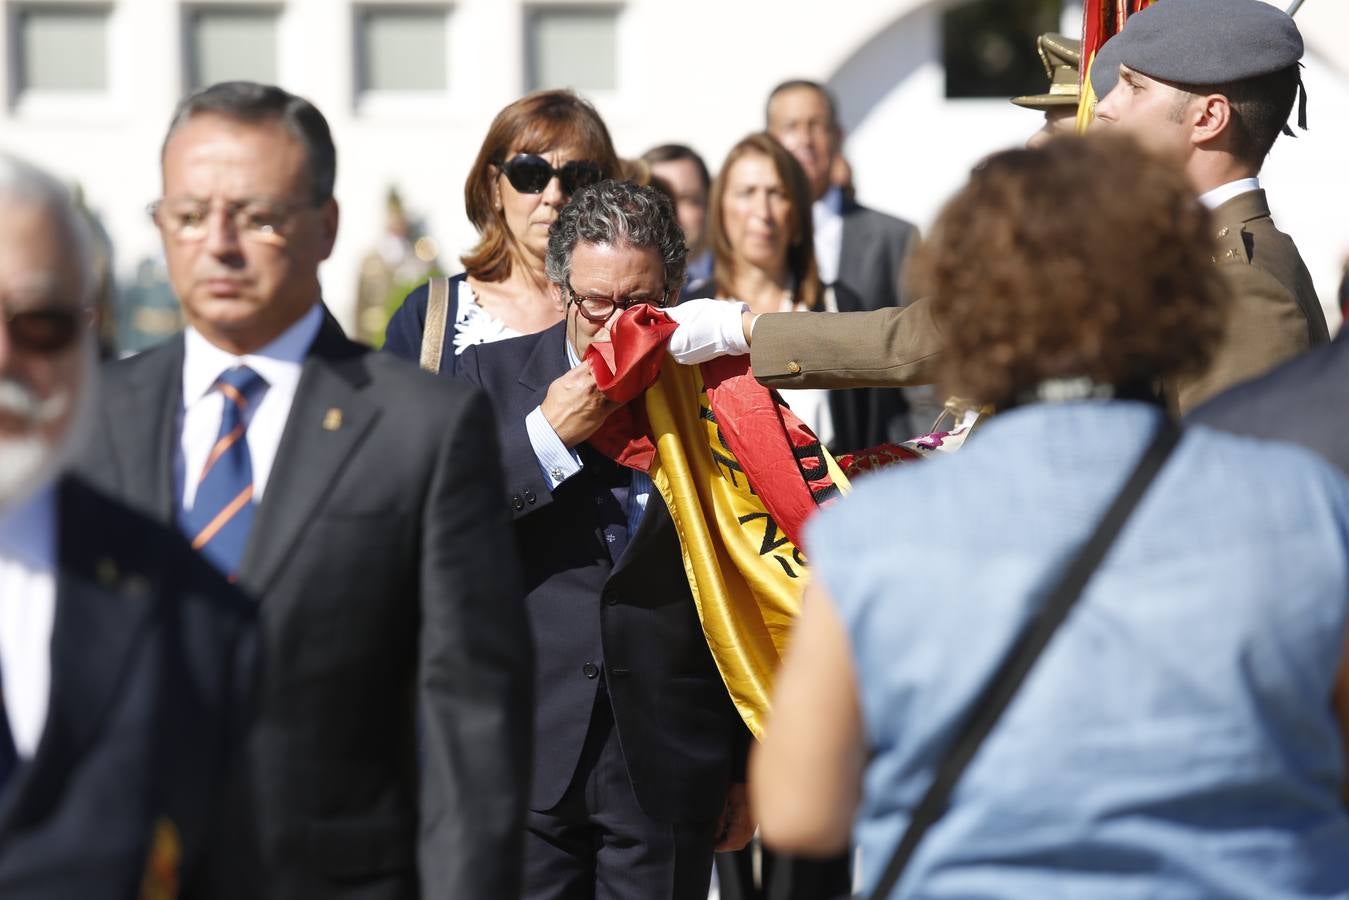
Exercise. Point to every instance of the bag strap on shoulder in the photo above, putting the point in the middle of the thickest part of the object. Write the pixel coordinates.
(1001, 688)
(433, 335)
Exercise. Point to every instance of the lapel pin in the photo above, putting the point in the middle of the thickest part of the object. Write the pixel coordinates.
(332, 419)
(106, 571)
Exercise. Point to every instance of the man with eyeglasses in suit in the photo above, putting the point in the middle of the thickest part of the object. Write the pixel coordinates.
(642, 778)
(357, 500)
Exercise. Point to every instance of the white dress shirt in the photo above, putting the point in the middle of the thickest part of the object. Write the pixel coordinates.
(28, 614)
(1224, 192)
(827, 216)
(278, 363)
(560, 462)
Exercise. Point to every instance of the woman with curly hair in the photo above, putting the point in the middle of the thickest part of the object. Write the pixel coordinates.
(1183, 732)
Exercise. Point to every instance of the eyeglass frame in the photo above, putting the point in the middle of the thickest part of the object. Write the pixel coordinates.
(578, 300)
(233, 209)
(558, 172)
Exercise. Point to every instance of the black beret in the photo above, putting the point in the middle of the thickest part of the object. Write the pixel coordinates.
(1206, 42)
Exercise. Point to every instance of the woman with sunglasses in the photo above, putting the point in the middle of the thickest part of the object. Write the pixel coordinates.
(538, 151)
(763, 250)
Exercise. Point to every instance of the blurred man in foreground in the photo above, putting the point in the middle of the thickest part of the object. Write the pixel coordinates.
(126, 661)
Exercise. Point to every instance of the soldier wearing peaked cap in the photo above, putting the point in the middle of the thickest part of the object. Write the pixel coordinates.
(1061, 57)
(1210, 84)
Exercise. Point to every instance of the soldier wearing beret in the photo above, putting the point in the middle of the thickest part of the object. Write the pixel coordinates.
(1210, 84)
(1061, 57)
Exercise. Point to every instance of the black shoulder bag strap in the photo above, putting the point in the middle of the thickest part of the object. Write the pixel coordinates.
(1002, 687)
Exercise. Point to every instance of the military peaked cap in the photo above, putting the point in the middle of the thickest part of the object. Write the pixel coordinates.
(1060, 56)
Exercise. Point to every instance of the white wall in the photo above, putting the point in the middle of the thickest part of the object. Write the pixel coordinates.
(696, 71)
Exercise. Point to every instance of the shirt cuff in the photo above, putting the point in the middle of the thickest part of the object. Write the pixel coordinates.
(556, 460)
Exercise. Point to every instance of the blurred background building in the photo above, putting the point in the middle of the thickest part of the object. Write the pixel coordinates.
(409, 87)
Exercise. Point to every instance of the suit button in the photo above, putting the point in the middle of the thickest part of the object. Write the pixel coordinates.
(517, 504)
(590, 670)
(611, 599)
(530, 498)
(794, 368)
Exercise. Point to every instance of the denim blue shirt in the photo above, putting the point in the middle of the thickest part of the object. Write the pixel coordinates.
(1176, 739)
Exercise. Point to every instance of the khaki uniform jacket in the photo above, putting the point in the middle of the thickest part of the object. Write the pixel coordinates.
(1274, 316)
(1274, 313)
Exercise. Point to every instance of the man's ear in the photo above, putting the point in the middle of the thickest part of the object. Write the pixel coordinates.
(1212, 119)
(559, 301)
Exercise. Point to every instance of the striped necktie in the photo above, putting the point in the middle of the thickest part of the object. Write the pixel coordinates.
(222, 513)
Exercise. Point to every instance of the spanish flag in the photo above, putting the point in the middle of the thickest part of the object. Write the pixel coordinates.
(740, 474)
(1101, 20)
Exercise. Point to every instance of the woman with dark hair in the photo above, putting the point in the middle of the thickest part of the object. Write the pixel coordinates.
(538, 151)
(763, 253)
(1182, 734)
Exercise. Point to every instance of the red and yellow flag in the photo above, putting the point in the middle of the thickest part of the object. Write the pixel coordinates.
(1101, 20)
(740, 475)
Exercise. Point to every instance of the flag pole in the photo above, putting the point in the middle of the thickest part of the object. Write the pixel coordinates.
(1293, 7)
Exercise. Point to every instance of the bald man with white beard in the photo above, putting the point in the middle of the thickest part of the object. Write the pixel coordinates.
(125, 659)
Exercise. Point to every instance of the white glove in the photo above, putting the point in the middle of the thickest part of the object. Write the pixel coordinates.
(707, 329)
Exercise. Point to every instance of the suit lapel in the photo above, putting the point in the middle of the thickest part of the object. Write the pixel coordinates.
(851, 255)
(101, 613)
(328, 417)
(546, 361)
(141, 425)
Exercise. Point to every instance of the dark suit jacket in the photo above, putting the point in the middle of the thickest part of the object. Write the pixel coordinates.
(152, 662)
(1305, 401)
(389, 595)
(681, 736)
(863, 417)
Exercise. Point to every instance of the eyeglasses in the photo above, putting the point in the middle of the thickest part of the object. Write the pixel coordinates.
(188, 220)
(44, 331)
(529, 173)
(598, 309)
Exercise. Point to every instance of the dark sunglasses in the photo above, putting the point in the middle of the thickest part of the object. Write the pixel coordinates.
(529, 173)
(44, 331)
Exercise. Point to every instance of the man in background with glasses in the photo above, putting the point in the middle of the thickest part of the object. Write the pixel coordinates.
(126, 661)
(640, 745)
(357, 500)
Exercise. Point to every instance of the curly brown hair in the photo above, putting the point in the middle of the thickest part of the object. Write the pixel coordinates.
(1085, 257)
(536, 123)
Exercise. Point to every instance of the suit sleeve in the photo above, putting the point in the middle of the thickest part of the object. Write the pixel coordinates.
(475, 673)
(890, 347)
(1264, 328)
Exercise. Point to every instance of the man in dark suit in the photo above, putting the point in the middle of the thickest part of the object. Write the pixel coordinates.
(643, 743)
(358, 500)
(1304, 401)
(126, 661)
(861, 248)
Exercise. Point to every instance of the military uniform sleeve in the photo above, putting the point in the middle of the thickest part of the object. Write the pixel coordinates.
(890, 347)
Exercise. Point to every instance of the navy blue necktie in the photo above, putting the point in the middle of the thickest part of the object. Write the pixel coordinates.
(222, 512)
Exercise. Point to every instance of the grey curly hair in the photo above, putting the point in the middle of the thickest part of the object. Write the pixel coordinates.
(617, 212)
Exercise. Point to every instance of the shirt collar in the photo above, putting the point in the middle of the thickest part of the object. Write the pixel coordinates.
(830, 206)
(1224, 192)
(278, 362)
(27, 531)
